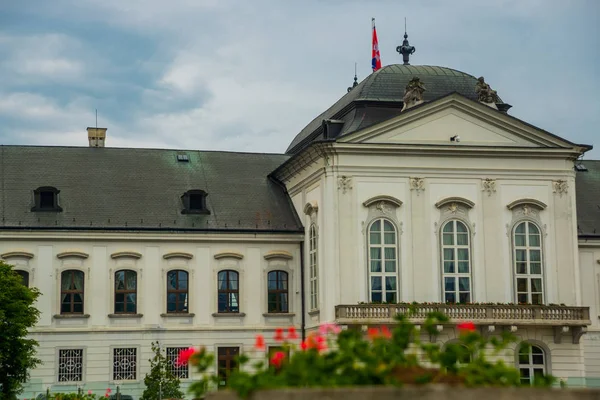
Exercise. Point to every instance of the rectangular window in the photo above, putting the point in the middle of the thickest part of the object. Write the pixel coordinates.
(227, 363)
(125, 364)
(70, 365)
(179, 371)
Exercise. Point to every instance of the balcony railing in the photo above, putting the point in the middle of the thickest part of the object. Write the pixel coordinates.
(480, 314)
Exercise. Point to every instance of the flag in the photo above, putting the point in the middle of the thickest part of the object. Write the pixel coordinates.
(375, 56)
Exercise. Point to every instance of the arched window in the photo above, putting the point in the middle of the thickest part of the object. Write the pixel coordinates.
(456, 260)
(383, 265)
(125, 292)
(228, 292)
(177, 291)
(313, 268)
(24, 276)
(532, 363)
(527, 241)
(277, 282)
(71, 292)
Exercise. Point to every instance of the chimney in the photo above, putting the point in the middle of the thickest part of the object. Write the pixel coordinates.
(96, 136)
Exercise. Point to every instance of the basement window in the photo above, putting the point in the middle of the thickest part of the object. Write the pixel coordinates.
(46, 199)
(183, 158)
(194, 202)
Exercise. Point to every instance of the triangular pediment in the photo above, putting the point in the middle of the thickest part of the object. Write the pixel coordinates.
(475, 124)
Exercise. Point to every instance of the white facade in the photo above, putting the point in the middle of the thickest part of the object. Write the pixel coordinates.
(405, 174)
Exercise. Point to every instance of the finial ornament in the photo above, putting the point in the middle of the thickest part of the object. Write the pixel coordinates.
(413, 94)
(406, 49)
(355, 84)
(485, 94)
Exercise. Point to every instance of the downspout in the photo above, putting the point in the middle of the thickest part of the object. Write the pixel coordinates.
(302, 299)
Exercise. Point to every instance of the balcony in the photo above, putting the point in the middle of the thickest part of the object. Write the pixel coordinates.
(562, 319)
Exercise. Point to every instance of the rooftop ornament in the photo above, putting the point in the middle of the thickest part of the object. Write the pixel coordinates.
(406, 49)
(485, 94)
(413, 94)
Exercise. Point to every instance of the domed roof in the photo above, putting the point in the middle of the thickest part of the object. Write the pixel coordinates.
(388, 85)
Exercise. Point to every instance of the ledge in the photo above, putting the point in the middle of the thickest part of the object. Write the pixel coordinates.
(70, 316)
(522, 202)
(460, 200)
(23, 254)
(278, 315)
(376, 199)
(76, 254)
(177, 315)
(178, 254)
(286, 255)
(228, 254)
(314, 312)
(125, 315)
(228, 315)
(120, 254)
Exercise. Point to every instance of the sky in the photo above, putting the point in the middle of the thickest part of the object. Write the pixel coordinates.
(249, 75)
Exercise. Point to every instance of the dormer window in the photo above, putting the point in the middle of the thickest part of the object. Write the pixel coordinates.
(46, 199)
(194, 202)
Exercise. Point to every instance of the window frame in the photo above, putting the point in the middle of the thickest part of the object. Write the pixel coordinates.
(186, 199)
(229, 309)
(231, 363)
(382, 246)
(125, 292)
(22, 273)
(72, 293)
(527, 248)
(171, 354)
(279, 309)
(37, 196)
(82, 366)
(530, 366)
(178, 291)
(455, 247)
(136, 367)
(313, 267)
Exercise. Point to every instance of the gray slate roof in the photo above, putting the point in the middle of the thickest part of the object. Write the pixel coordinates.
(387, 86)
(140, 189)
(587, 192)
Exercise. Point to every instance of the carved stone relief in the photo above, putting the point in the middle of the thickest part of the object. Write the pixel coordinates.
(344, 183)
(417, 184)
(560, 187)
(488, 185)
(524, 212)
(383, 209)
(453, 210)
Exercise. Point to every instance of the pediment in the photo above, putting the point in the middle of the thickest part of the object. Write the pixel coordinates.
(475, 124)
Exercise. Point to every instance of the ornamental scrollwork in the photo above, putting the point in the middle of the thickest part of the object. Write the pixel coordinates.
(344, 183)
(417, 184)
(488, 185)
(560, 187)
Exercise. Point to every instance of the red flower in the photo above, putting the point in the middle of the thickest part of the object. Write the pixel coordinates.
(321, 343)
(292, 334)
(183, 358)
(373, 333)
(304, 345)
(277, 359)
(466, 327)
(108, 390)
(279, 335)
(260, 342)
(385, 332)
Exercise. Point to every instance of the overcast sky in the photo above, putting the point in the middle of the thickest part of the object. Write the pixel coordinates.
(249, 75)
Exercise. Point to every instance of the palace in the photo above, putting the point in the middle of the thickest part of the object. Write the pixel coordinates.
(417, 185)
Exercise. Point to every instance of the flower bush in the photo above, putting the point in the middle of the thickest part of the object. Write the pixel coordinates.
(333, 357)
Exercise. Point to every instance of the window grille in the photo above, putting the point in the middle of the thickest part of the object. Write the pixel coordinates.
(124, 364)
(70, 365)
(178, 371)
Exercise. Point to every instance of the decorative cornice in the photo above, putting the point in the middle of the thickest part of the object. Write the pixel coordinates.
(523, 202)
(75, 254)
(228, 254)
(178, 254)
(450, 200)
(311, 207)
(122, 254)
(22, 254)
(278, 254)
(386, 198)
